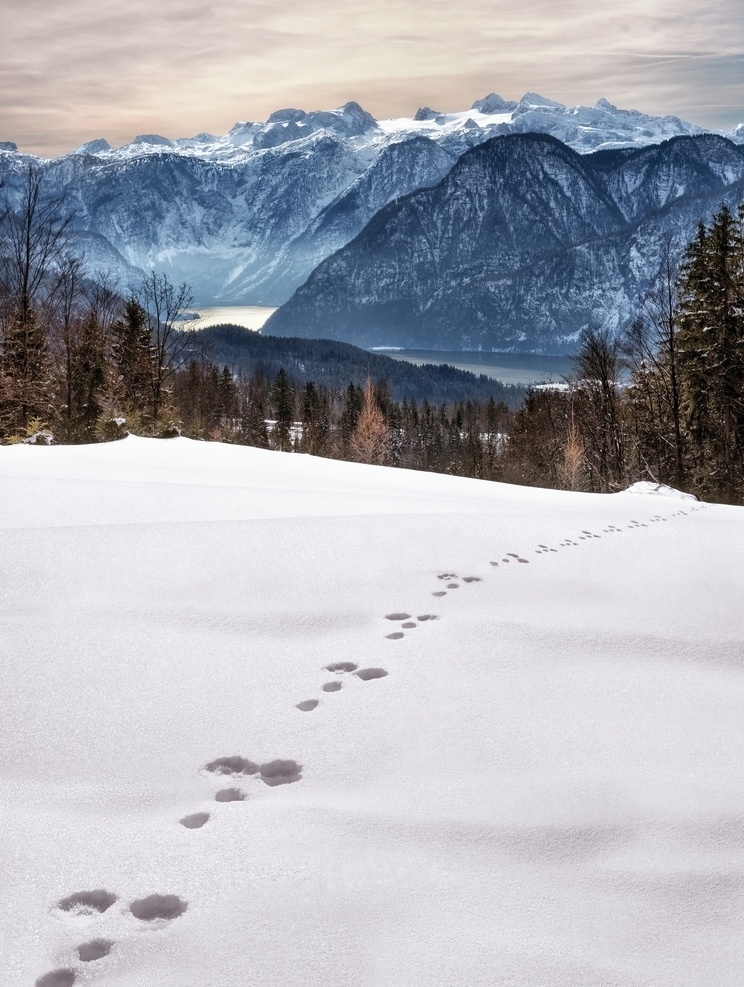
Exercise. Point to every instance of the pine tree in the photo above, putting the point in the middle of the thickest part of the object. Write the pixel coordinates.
(711, 356)
(316, 426)
(353, 400)
(133, 356)
(25, 372)
(282, 399)
(90, 379)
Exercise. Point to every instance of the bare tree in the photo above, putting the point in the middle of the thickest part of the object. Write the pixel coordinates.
(165, 304)
(573, 456)
(68, 292)
(370, 442)
(651, 348)
(34, 233)
(598, 408)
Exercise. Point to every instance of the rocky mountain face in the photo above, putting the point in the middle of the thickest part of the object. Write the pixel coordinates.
(520, 246)
(244, 231)
(245, 218)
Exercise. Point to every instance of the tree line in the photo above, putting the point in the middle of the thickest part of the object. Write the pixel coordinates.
(335, 363)
(83, 359)
(664, 401)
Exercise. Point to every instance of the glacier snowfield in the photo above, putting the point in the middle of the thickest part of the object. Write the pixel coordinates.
(271, 720)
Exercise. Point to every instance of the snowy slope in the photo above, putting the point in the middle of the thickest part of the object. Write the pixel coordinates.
(545, 790)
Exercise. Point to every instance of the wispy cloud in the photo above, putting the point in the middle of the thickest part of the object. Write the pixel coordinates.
(98, 67)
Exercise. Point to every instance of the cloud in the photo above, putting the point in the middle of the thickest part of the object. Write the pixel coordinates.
(200, 12)
(89, 67)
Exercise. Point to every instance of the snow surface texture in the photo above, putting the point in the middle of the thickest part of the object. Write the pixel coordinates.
(545, 789)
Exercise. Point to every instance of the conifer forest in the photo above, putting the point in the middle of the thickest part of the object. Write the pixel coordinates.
(84, 358)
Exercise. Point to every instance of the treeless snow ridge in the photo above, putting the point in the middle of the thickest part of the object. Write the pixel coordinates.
(536, 782)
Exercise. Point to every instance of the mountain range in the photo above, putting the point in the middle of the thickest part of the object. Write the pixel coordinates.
(522, 245)
(253, 216)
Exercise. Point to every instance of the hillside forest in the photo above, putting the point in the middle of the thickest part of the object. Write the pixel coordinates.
(86, 359)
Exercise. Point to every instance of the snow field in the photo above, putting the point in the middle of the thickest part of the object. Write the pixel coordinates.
(544, 790)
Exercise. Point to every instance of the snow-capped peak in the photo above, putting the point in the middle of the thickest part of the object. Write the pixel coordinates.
(493, 103)
(535, 99)
(583, 128)
(94, 146)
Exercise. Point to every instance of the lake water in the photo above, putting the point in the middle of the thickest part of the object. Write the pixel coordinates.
(510, 368)
(248, 316)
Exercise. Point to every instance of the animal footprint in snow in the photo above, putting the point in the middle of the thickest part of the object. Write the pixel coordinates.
(331, 687)
(88, 902)
(230, 795)
(234, 765)
(307, 705)
(341, 666)
(440, 592)
(155, 907)
(195, 821)
(96, 949)
(280, 772)
(409, 624)
(406, 617)
(367, 674)
(57, 978)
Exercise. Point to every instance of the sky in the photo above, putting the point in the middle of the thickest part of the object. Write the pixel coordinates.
(116, 68)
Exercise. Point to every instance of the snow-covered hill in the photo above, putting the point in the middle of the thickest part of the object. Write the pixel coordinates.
(540, 786)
